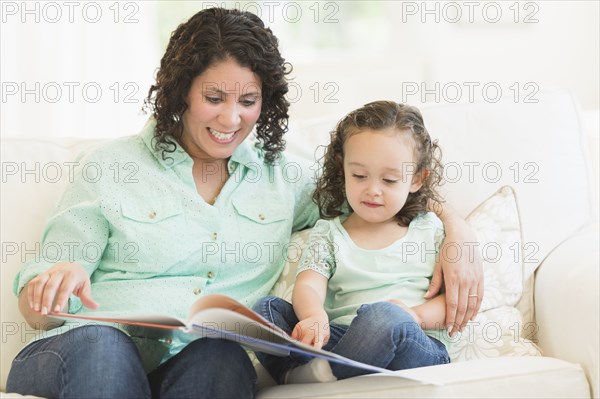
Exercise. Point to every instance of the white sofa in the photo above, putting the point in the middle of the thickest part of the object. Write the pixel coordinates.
(544, 304)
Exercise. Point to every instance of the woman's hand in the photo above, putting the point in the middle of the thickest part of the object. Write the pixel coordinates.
(460, 267)
(313, 331)
(49, 291)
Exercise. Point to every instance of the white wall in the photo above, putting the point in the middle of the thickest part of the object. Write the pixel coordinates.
(418, 59)
(344, 54)
(83, 75)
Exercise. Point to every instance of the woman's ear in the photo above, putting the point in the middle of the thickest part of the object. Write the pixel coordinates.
(418, 179)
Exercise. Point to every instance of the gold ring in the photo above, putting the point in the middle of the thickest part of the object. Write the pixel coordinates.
(473, 295)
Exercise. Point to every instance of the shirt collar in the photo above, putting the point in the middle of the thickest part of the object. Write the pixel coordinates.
(247, 153)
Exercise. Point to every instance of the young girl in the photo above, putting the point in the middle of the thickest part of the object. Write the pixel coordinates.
(361, 282)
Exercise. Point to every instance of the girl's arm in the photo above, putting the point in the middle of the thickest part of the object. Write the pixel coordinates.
(308, 298)
(462, 275)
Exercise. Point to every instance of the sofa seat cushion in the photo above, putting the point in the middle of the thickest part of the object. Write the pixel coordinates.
(527, 376)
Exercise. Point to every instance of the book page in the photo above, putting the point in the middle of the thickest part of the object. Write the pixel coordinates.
(215, 322)
(144, 320)
(214, 301)
(227, 324)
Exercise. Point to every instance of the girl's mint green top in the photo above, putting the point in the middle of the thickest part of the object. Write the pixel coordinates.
(151, 244)
(357, 276)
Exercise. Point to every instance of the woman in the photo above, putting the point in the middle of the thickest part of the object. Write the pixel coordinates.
(194, 209)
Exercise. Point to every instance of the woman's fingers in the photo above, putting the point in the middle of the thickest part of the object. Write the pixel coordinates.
(480, 289)
(70, 281)
(49, 291)
(473, 304)
(35, 290)
(53, 283)
(461, 320)
(85, 294)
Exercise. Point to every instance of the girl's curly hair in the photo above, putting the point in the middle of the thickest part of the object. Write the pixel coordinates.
(330, 194)
(213, 35)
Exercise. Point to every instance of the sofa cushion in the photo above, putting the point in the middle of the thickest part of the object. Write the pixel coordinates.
(567, 303)
(510, 377)
(497, 225)
(34, 173)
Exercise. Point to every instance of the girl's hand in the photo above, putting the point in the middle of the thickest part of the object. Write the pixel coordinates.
(313, 331)
(49, 291)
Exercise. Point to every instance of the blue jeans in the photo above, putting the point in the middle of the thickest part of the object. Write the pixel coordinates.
(102, 362)
(382, 334)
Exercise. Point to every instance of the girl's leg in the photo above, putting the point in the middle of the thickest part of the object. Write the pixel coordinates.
(281, 313)
(206, 368)
(88, 361)
(385, 335)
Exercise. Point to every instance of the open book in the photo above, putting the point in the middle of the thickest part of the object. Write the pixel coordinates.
(219, 316)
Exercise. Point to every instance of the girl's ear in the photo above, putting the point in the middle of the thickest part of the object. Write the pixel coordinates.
(418, 180)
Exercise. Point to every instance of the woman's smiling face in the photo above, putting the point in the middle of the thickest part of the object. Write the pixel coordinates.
(224, 103)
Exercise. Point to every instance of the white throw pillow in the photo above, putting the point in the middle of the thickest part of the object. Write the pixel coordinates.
(498, 329)
(497, 225)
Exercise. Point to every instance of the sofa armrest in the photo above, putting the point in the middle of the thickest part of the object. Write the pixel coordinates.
(567, 303)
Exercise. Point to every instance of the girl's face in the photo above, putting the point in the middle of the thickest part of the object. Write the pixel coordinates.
(224, 103)
(379, 173)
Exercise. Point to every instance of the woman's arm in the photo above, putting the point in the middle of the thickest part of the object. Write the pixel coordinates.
(44, 284)
(49, 292)
(459, 266)
(308, 298)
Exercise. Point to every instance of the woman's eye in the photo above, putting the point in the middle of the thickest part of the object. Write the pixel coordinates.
(358, 176)
(213, 100)
(390, 181)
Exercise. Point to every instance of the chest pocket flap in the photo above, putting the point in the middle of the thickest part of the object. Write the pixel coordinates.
(151, 210)
(263, 212)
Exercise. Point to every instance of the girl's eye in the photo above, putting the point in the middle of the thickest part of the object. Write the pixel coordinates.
(358, 176)
(248, 103)
(390, 181)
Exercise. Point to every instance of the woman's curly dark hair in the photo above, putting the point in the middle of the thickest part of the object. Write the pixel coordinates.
(210, 36)
(330, 194)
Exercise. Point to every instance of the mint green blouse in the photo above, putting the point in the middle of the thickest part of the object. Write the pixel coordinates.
(402, 270)
(151, 244)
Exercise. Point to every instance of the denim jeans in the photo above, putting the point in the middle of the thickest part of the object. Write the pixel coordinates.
(382, 334)
(102, 362)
